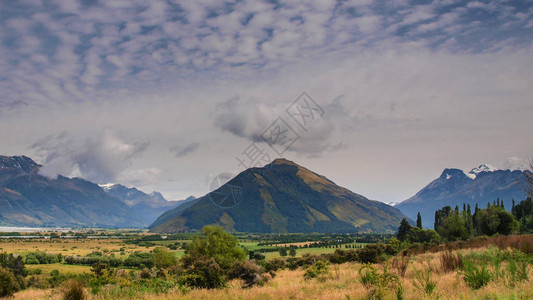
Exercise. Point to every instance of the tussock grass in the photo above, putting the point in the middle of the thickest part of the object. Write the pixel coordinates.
(425, 277)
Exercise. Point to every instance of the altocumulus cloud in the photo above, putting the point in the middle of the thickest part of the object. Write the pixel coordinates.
(424, 86)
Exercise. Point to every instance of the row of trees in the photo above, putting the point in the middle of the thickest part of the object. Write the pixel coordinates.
(454, 224)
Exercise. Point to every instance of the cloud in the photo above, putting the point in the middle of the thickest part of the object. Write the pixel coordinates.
(248, 119)
(181, 151)
(100, 158)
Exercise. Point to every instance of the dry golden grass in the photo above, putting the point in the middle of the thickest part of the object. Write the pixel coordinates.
(342, 282)
(68, 246)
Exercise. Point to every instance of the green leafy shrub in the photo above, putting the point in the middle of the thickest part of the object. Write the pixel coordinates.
(372, 253)
(476, 277)
(204, 273)
(275, 264)
(8, 283)
(163, 258)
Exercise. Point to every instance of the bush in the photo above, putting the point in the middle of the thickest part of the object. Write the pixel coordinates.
(163, 258)
(204, 273)
(379, 282)
(8, 283)
(249, 272)
(275, 264)
(372, 253)
(476, 277)
(319, 268)
(73, 290)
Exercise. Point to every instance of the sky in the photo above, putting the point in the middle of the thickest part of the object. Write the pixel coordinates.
(378, 96)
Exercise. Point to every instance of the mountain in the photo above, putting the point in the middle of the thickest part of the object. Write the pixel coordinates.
(282, 197)
(29, 199)
(455, 187)
(170, 214)
(148, 206)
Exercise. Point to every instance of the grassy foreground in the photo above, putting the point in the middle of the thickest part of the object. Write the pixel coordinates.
(343, 281)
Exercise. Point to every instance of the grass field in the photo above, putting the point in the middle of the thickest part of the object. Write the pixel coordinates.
(344, 282)
(63, 268)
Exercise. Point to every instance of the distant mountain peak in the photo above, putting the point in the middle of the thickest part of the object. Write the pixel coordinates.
(452, 173)
(283, 161)
(19, 162)
(482, 168)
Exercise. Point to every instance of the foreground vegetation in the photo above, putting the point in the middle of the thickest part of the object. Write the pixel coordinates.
(215, 266)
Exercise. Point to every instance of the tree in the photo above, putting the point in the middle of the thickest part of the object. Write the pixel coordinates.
(292, 252)
(217, 244)
(8, 284)
(163, 258)
(419, 221)
(494, 219)
(209, 258)
(403, 229)
(283, 251)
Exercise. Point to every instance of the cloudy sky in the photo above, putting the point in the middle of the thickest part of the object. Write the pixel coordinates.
(164, 95)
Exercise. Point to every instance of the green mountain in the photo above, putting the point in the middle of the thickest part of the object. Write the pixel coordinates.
(281, 197)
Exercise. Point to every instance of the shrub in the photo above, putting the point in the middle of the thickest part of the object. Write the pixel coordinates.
(319, 268)
(275, 264)
(249, 272)
(379, 282)
(8, 283)
(450, 261)
(163, 258)
(476, 277)
(204, 273)
(370, 253)
(73, 290)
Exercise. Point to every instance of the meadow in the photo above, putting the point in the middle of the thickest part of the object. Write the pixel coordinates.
(480, 268)
(343, 281)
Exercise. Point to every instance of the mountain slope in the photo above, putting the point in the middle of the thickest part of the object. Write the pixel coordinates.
(284, 197)
(29, 199)
(171, 213)
(454, 187)
(148, 206)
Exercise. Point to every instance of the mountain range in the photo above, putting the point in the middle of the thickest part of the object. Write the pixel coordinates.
(148, 206)
(281, 197)
(454, 187)
(30, 199)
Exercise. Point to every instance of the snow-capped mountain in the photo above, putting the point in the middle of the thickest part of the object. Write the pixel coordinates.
(482, 168)
(149, 206)
(455, 187)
